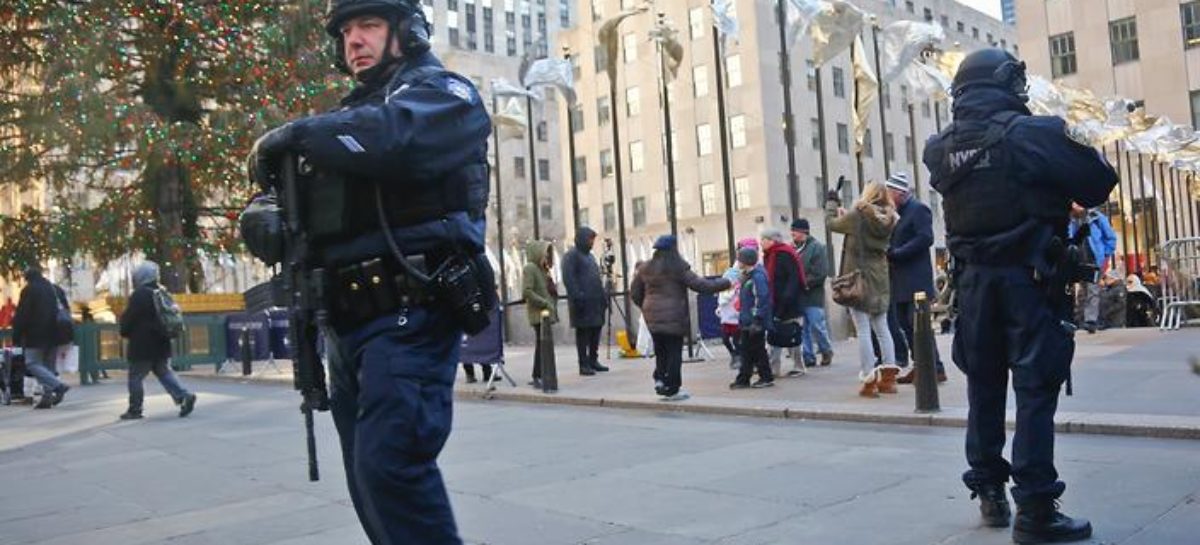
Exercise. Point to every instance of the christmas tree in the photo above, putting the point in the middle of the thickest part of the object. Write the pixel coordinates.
(138, 114)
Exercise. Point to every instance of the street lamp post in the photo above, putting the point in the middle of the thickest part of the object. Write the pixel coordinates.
(789, 118)
(566, 52)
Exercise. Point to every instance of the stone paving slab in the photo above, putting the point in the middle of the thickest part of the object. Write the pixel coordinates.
(1132, 382)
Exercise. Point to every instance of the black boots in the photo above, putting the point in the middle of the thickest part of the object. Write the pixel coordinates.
(1041, 522)
(586, 370)
(598, 367)
(993, 505)
(187, 405)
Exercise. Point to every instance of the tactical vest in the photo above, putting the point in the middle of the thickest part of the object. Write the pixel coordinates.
(340, 209)
(983, 192)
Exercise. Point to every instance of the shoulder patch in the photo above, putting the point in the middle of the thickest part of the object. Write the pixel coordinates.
(460, 90)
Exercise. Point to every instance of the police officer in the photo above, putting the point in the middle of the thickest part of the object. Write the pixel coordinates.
(1012, 274)
(406, 163)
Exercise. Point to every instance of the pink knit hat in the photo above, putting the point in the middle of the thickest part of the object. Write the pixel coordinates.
(748, 243)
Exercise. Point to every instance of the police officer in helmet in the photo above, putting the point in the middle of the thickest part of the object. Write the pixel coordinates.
(1012, 269)
(404, 187)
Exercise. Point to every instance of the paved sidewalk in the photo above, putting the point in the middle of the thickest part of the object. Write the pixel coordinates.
(1133, 382)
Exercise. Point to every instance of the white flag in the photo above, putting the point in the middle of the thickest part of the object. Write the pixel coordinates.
(834, 29)
(724, 19)
(555, 73)
(502, 88)
(902, 42)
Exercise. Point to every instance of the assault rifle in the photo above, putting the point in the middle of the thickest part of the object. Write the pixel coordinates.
(304, 298)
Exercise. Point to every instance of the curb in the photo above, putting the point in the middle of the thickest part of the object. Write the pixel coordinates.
(1120, 425)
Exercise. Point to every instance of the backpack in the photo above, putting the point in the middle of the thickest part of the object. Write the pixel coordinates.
(170, 316)
(64, 325)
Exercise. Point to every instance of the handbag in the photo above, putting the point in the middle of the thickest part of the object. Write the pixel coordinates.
(850, 289)
(785, 335)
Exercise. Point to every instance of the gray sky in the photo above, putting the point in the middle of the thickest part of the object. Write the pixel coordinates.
(990, 7)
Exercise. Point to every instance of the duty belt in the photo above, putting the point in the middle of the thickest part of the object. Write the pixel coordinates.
(361, 292)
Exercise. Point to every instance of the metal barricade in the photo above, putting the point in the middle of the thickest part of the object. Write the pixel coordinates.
(1179, 277)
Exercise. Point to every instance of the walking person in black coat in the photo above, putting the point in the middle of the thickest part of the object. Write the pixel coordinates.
(36, 330)
(149, 345)
(910, 269)
(586, 300)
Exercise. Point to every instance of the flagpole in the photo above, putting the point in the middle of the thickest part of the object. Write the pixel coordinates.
(789, 118)
(1168, 179)
(725, 176)
(1133, 205)
(672, 206)
(937, 116)
(912, 134)
(499, 208)
(887, 169)
(825, 166)
(858, 150)
(1141, 187)
(533, 189)
(620, 185)
(1122, 197)
(566, 53)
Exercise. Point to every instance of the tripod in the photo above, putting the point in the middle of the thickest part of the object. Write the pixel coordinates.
(613, 302)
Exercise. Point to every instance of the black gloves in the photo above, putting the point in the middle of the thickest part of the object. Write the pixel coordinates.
(261, 224)
(262, 164)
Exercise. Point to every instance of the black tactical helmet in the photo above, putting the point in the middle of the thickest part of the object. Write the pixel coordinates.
(339, 11)
(991, 67)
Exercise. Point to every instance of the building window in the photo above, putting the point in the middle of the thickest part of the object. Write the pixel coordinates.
(868, 148)
(928, 15)
(603, 111)
(741, 193)
(637, 157)
(580, 169)
(541, 131)
(606, 163)
(544, 169)
(889, 147)
(700, 81)
(910, 7)
(519, 167)
(522, 210)
(885, 94)
(733, 70)
(584, 218)
(1062, 54)
(708, 199)
(909, 150)
(1195, 95)
(990, 40)
(547, 212)
(633, 102)
(489, 42)
(945, 21)
(577, 117)
(810, 73)
(816, 133)
(975, 32)
(925, 109)
(564, 13)
(600, 56)
(610, 216)
(960, 27)
(1189, 16)
(639, 211)
(737, 131)
(843, 138)
(1123, 37)
(839, 82)
(696, 22)
(703, 139)
(510, 45)
(629, 47)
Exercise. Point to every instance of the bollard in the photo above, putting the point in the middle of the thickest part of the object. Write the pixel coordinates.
(546, 348)
(923, 356)
(247, 354)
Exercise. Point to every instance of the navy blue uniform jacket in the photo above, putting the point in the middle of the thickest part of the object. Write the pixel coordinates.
(402, 135)
(910, 267)
(1043, 156)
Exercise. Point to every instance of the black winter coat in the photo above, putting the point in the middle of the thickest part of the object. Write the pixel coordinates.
(148, 341)
(910, 265)
(34, 323)
(586, 299)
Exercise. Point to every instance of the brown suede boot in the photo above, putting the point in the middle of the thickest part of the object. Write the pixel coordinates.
(870, 384)
(887, 379)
